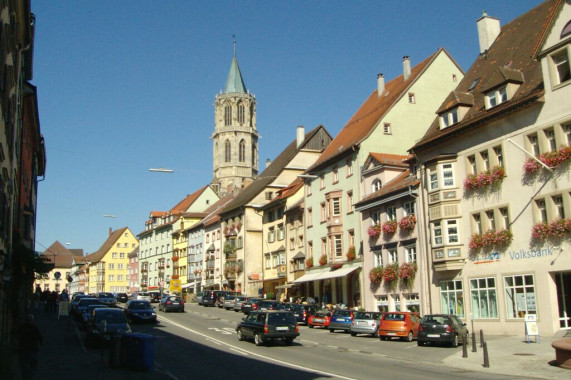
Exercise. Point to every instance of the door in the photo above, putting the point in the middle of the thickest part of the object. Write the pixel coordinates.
(563, 282)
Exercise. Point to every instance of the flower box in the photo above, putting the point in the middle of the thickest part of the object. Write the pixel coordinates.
(489, 178)
(490, 239)
(374, 231)
(556, 229)
(389, 227)
(376, 275)
(323, 260)
(407, 272)
(351, 254)
(309, 263)
(407, 223)
(551, 159)
(390, 274)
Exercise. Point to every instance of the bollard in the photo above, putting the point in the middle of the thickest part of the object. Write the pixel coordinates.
(481, 338)
(486, 358)
(464, 345)
(474, 349)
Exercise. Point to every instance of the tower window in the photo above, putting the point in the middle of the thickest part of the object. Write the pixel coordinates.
(241, 113)
(227, 152)
(228, 115)
(242, 151)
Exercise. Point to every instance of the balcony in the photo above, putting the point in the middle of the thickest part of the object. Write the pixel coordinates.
(448, 258)
(210, 264)
(161, 265)
(144, 269)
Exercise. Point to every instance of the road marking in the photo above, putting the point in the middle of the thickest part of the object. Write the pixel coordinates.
(214, 341)
(223, 331)
(278, 361)
(241, 352)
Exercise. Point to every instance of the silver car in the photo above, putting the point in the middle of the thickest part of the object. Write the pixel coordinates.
(107, 299)
(228, 302)
(366, 322)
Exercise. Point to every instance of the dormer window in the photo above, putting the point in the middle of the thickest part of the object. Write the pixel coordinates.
(560, 67)
(376, 185)
(497, 96)
(449, 118)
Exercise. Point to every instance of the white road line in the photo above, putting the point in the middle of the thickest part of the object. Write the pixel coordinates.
(278, 361)
(239, 351)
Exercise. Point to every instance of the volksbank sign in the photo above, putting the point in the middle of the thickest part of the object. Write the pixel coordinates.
(522, 254)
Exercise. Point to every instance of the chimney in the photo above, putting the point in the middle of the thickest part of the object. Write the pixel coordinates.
(300, 135)
(405, 67)
(110, 231)
(268, 162)
(488, 30)
(380, 84)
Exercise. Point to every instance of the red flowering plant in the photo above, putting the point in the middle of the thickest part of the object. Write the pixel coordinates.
(407, 223)
(391, 274)
(323, 260)
(351, 254)
(374, 231)
(556, 229)
(407, 272)
(490, 239)
(551, 159)
(389, 227)
(486, 179)
(376, 275)
(309, 262)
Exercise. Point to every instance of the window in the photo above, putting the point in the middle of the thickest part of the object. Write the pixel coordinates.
(411, 98)
(376, 185)
(321, 181)
(472, 169)
(483, 297)
(452, 298)
(350, 207)
(505, 217)
(520, 296)
(452, 231)
(111, 277)
(323, 212)
(240, 113)
(477, 223)
(496, 97)
(268, 261)
(308, 189)
(377, 258)
(491, 220)
(111, 266)
(120, 266)
(561, 71)
(558, 203)
(391, 213)
(541, 210)
(338, 242)
(567, 133)
(271, 235)
(387, 129)
(393, 256)
(114, 255)
(533, 145)
(410, 253)
(309, 217)
(281, 233)
(242, 151)
(408, 208)
(446, 171)
(227, 114)
(349, 167)
(448, 175)
(122, 255)
(336, 206)
(227, 151)
(550, 137)
(375, 217)
(335, 172)
(485, 160)
(433, 180)
(436, 233)
(120, 277)
(449, 118)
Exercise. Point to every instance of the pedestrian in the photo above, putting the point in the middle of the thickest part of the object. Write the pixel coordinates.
(52, 301)
(29, 341)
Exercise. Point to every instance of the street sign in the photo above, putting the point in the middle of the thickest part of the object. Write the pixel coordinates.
(175, 286)
(57, 275)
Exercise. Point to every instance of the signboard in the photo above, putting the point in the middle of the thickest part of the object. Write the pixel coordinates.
(531, 327)
(63, 310)
(175, 286)
(57, 275)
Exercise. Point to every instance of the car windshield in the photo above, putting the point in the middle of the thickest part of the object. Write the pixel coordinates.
(88, 301)
(394, 317)
(105, 295)
(116, 317)
(281, 319)
(140, 306)
(437, 319)
(365, 315)
(143, 294)
(343, 313)
(322, 313)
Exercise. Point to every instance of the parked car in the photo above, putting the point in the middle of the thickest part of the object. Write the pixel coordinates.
(303, 312)
(199, 297)
(141, 311)
(141, 296)
(264, 326)
(171, 303)
(87, 313)
(270, 305)
(400, 324)
(107, 298)
(83, 303)
(105, 323)
(238, 302)
(215, 297)
(445, 328)
(155, 297)
(341, 320)
(229, 302)
(366, 322)
(319, 319)
(75, 301)
(122, 297)
(250, 304)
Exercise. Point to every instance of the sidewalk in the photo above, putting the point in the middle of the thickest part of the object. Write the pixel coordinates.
(511, 355)
(63, 355)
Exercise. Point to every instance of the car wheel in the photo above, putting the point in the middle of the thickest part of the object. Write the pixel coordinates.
(288, 341)
(240, 336)
(353, 334)
(331, 330)
(383, 338)
(310, 326)
(409, 336)
(258, 339)
(420, 343)
(375, 334)
(454, 343)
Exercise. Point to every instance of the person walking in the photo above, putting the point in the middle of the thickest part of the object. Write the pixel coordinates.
(29, 341)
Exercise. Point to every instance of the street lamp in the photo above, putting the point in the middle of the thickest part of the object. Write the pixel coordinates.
(161, 170)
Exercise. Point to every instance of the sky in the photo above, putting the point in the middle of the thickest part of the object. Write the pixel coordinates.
(124, 86)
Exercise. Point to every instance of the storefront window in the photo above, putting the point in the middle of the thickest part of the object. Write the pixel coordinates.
(484, 298)
(452, 298)
(520, 296)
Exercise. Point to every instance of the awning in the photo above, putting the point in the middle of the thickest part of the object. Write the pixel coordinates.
(342, 272)
(187, 285)
(286, 286)
(307, 277)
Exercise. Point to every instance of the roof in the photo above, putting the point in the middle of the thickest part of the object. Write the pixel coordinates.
(370, 113)
(212, 216)
(58, 255)
(185, 204)
(508, 60)
(285, 193)
(96, 256)
(270, 173)
(400, 182)
(235, 82)
(389, 159)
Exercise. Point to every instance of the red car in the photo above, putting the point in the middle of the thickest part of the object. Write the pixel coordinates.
(320, 319)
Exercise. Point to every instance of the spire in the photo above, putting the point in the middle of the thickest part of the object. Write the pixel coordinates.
(235, 83)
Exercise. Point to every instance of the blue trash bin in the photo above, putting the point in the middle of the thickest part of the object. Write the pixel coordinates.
(139, 351)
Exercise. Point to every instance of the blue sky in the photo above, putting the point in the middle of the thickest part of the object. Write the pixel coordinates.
(124, 86)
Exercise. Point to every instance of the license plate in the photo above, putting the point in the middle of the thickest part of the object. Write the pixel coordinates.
(391, 333)
(282, 328)
(361, 322)
(318, 320)
(433, 335)
(175, 303)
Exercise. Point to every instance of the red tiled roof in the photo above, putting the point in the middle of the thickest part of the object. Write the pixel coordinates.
(400, 182)
(188, 200)
(58, 255)
(390, 159)
(96, 256)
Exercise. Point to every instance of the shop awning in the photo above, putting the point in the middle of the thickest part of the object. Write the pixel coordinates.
(187, 285)
(286, 286)
(307, 277)
(341, 272)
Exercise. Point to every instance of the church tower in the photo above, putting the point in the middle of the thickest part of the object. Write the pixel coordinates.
(235, 138)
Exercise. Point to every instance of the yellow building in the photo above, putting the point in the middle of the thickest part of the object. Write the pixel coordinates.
(180, 246)
(108, 266)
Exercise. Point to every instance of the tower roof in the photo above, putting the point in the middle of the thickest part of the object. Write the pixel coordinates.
(235, 83)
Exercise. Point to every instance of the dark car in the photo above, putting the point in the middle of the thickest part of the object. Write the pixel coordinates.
(366, 322)
(250, 304)
(302, 312)
(141, 311)
(155, 297)
(107, 298)
(441, 328)
(83, 303)
(341, 320)
(171, 303)
(271, 305)
(265, 326)
(105, 323)
(122, 297)
(75, 301)
(215, 297)
(87, 313)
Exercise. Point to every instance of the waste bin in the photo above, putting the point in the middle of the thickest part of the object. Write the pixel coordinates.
(139, 351)
(115, 351)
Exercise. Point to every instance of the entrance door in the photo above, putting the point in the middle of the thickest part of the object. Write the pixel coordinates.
(563, 282)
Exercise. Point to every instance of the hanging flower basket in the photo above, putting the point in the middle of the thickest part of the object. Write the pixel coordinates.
(175, 258)
(309, 262)
(196, 271)
(351, 254)
(336, 266)
(389, 227)
(490, 239)
(489, 178)
(556, 229)
(175, 277)
(323, 260)
(374, 231)
(376, 275)
(407, 223)
(551, 159)
(390, 275)
(407, 272)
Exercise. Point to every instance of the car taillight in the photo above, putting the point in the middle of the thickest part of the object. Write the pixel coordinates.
(168, 302)
(449, 329)
(296, 328)
(182, 303)
(373, 323)
(304, 314)
(420, 328)
(352, 323)
(266, 329)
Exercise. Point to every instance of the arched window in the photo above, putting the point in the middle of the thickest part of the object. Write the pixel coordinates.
(227, 152)
(242, 151)
(376, 185)
(241, 113)
(254, 155)
(227, 114)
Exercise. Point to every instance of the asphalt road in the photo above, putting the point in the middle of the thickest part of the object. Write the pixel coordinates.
(202, 343)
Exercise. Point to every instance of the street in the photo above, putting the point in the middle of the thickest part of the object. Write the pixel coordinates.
(202, 342)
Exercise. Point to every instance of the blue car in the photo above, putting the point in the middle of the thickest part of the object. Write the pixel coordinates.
(341, 320)
(141, 311)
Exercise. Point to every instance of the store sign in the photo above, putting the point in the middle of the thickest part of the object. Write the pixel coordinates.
(522, 254)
